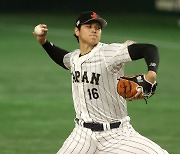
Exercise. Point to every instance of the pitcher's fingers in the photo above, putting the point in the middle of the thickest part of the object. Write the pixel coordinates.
(44, 26)
(137, 95)
(44, 29)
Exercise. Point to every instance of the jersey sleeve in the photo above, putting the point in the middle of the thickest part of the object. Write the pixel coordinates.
(115, 55)
(66, 60)
(69, 58)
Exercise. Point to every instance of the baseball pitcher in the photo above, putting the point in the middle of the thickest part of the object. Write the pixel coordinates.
(100, 89)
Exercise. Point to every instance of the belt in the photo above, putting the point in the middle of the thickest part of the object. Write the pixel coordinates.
(98, 126)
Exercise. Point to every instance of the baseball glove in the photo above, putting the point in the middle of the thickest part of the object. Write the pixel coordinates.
(128, 86)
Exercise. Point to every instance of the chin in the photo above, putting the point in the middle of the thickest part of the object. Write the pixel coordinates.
(94, 42)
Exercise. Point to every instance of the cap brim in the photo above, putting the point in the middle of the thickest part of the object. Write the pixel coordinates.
(100, 20)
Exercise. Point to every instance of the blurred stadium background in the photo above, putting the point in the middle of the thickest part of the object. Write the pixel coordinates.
(36, 109)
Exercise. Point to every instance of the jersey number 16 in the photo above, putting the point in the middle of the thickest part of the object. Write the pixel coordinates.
(93, 93)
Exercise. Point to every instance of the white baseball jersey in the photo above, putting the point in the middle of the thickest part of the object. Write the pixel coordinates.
(94, 82)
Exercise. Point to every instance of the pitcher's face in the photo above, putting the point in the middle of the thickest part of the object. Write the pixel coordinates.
(89, 33)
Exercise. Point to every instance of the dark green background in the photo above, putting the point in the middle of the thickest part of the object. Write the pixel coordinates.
(78, 5)
(36, 108)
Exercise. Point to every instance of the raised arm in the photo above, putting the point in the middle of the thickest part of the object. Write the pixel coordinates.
(57, 54)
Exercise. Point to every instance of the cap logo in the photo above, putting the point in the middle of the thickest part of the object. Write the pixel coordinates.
(77, 23)
(94, 15)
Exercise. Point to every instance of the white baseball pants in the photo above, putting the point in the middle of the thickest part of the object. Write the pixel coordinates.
(122, 140)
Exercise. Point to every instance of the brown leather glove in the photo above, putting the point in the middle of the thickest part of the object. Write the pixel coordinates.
(128, 86)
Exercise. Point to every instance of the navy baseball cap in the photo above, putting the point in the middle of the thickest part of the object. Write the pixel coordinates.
(90, 16)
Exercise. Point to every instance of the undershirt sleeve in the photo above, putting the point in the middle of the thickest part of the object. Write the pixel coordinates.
(147, 51)
(57, 54)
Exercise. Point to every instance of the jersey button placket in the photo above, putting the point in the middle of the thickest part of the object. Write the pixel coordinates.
(81, 91)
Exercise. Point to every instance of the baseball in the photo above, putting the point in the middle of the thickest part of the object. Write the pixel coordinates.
(38, 30)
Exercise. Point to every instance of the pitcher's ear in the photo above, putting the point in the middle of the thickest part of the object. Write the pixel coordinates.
(76, 31)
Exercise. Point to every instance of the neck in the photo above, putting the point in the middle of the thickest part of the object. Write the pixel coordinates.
(85, 48)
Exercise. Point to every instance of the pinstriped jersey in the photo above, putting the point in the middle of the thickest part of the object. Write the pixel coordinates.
(94, 82)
